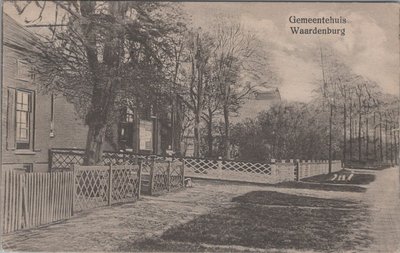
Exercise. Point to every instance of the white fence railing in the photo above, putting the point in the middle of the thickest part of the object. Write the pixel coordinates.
(258, 172)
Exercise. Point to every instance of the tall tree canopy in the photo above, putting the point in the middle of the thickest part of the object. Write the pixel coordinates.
(99, 54)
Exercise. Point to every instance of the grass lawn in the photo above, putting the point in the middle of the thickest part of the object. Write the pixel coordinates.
(321, 186)
(362, 179)
(161, 245)
(304, 223)
(283, 199)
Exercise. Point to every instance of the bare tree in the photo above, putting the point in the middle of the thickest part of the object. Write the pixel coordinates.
(239, 62)
(199, 50)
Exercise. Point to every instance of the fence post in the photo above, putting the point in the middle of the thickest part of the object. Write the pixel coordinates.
(50, 159)
(169, 176)
(297, 170)
(74, 188)
(139, 179)
(25, 201)
(183, 173)
(109, 185)
(151, 177)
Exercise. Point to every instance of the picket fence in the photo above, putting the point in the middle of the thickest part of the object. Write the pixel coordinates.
(34, 199)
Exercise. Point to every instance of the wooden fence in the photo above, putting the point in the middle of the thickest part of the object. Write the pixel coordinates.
(34, 199)
(314, 168)
(105, 185)
(273, 172)
(64, 159)
(162, 176)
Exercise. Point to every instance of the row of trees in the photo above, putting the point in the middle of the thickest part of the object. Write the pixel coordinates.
(105, 56)
(349, 116)
(369, 117)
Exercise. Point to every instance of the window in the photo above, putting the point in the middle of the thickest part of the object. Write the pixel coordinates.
(126, 129)
(23, 70)
(129, 115)
(146, 135)
(23, 109)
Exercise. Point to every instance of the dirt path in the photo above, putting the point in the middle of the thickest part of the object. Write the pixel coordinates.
(383, 195)
(104, 229)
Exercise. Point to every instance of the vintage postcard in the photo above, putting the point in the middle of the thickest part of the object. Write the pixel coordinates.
(143, 126)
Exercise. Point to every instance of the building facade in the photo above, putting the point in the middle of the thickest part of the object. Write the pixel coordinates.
(32, 121)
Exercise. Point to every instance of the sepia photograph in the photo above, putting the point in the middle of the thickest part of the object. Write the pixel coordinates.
(200, 126)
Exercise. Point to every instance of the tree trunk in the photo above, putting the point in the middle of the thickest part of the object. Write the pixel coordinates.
(391, 144)
(359, 129)
(104, 89)
(197, 135)
(227, 140)
(96, 131)
(380, 136)
(102, 105)
(375, 154)
(210, 138)
(396, 152)
(330, 140)
(344, 130)
(94, 143)
(367, 139)
(386, 140)
(351, 131)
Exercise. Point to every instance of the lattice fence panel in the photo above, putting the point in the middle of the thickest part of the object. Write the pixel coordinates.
(113, 158)
(199, 166)
(146, 166)
(91, 184)
(160, 177)
(125, 183)
(176, 176)
(63, 160)
(247, 167)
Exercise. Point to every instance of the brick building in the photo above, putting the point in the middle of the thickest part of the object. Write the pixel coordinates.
(32, 121)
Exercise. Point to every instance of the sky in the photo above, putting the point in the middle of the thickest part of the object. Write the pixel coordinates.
(370, 46)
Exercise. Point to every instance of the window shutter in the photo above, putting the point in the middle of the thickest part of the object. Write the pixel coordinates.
(10, 144)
